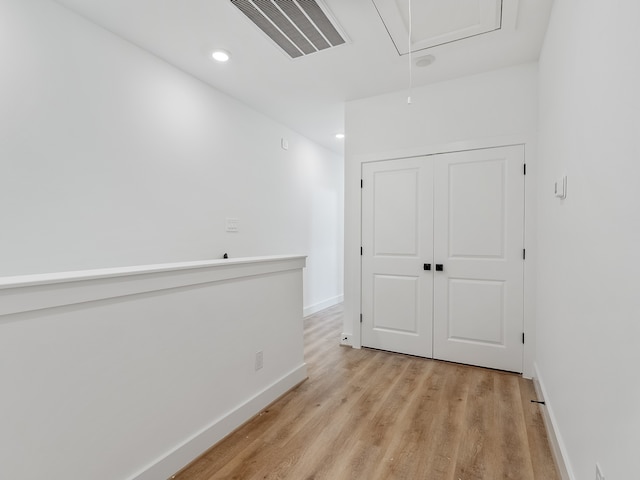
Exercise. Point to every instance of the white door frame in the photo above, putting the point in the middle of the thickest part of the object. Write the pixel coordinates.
(353, 233)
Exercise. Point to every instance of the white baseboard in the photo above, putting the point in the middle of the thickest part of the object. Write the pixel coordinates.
(199, 443)
(316, 307)
(558, 447)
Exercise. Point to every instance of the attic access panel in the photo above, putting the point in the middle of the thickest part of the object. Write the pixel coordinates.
(298, 27)
(436, 22)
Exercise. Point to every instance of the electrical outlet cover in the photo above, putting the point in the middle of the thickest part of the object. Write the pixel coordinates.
(345, 339)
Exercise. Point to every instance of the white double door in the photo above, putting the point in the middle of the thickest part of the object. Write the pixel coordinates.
(442, 256)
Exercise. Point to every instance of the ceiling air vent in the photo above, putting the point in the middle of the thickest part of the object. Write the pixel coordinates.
(299, 27)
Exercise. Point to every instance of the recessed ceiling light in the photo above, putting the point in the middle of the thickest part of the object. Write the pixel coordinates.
(425, 61)
(340, 136)
(221, 55)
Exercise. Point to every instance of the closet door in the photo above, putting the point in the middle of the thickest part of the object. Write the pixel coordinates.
(397, 236)
(479, 228)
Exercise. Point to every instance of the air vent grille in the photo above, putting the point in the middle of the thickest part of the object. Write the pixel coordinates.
(299, 27)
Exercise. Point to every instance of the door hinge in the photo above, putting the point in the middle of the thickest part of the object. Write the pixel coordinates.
(361, 183)
(524, 253)
(360, 318)
(360, 250)
(524, 169)
(523, 337)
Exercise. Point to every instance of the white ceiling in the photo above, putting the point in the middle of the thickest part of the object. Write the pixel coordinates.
(308, 93)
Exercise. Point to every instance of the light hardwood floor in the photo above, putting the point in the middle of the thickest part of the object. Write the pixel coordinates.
(367, 414)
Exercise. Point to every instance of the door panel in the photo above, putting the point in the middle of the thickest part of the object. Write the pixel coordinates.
(395, 211)
(397, 236)
(476, 209)
(476, 311)
(479, 228)
(395, 302)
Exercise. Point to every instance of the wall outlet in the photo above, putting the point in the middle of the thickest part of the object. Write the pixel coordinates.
(259, 362)
(599, 474)
(345, 339)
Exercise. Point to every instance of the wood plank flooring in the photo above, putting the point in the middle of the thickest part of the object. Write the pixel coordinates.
(367, 414)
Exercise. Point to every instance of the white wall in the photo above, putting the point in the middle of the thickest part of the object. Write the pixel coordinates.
(325, 228)
(490, 109)
(111, 157)
(498, 103)
(120, 374)
(588, 300)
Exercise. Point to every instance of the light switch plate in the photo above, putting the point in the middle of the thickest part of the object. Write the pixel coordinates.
(561, 187)
(233, 225)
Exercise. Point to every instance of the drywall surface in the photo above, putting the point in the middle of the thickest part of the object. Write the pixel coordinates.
(588, 284)
(490, 109)
(498, 103)
(132, 373)
(112, 157)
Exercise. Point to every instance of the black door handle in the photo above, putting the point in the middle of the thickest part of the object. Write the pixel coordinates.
(439, 267)
(427, 266)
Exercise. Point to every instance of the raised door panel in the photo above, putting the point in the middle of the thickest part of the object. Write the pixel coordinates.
(395, 210)
(477, 209)
(476, 311)
(395, 304)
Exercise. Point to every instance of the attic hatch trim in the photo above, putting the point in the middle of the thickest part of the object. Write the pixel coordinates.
(298, 27)
(504, 15)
